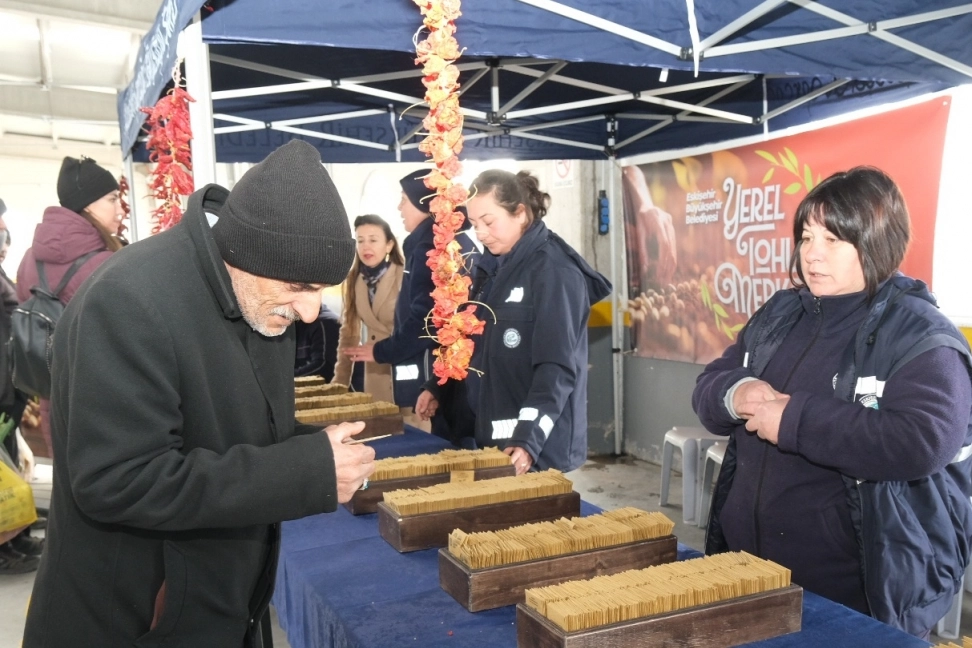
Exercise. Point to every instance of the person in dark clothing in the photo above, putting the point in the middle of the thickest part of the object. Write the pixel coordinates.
(176, 449)
(409, 348)
(531, 399)
(317, 344)
(20, 554)
(847, 400)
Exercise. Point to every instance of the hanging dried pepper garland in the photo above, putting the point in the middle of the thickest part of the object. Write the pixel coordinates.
(454, 318)
(169, 135)
(126, 208)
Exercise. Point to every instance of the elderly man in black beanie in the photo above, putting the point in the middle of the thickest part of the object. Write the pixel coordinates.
(176, 450)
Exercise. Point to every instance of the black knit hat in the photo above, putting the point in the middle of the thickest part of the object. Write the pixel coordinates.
(82, 182)
(414, 187)
(285, 220)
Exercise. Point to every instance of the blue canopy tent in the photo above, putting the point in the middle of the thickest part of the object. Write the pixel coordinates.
(541, 79)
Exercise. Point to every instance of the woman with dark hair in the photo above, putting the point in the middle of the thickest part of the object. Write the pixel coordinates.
(82, 226)
(531, 397)
(370, 294)
(847, 403)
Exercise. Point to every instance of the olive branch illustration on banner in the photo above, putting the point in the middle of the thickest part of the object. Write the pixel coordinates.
(788, 161)
(719, 313)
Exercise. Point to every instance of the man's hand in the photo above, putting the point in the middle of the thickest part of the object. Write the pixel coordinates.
(750, 394)
(426, 405)
(765, 421)
(353, 463)
(520, 459)
(363, 353)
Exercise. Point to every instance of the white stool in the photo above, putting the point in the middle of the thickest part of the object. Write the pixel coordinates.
(713, 458)
(692, 442)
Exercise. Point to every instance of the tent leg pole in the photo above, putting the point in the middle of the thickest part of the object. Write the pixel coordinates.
(132, 202)
(199, 87)
(617, 331)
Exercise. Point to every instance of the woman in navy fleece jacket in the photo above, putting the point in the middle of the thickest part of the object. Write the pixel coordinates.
(847, 400)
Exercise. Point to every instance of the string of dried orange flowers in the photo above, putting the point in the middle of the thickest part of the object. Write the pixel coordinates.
(126, 208)
(453, 317)
(169, 135)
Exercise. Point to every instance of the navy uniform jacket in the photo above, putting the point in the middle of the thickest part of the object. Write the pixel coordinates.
(891, 428)
(533, 391)
(409, 349)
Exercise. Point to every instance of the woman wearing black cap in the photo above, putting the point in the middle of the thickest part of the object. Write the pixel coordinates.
(84, 224)
(409, 349)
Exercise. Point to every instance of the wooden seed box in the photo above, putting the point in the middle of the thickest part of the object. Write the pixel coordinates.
(428, 530)
(493, 587)
(366, 501)
(719, 625)
(374, 425)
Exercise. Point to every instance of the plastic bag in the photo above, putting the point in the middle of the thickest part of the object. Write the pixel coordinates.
(16, 498)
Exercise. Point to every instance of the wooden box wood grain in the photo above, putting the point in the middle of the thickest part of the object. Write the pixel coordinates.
(366, 501)
(493, 587)
(374, 425)
(720, 625)
(428, 530)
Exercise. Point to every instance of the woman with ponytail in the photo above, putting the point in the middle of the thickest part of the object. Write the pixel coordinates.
(83, 225)
(370, 294)
(531, 397)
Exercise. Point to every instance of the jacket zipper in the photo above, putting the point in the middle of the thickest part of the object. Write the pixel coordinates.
(860, 499)
(762, 464)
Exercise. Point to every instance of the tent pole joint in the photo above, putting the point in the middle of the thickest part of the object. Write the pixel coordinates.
(872, 27)
(686, 54)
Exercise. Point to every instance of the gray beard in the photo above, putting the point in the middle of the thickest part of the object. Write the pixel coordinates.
(263, 330)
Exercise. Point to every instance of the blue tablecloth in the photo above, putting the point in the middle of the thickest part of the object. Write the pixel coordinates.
(340, 584)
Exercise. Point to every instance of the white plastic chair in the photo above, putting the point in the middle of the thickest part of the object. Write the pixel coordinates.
(693, 442)
(713, 458)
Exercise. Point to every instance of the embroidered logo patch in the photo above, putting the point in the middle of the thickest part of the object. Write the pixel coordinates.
(516, 295)
(511, 338)
(868, 400)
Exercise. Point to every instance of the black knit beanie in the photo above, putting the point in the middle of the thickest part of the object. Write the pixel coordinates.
(82, 182)
(285, 220)
(414, 187)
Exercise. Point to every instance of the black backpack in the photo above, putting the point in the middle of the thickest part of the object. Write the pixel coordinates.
(32, 332)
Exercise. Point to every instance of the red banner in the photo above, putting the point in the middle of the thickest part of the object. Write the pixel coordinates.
(709, 237)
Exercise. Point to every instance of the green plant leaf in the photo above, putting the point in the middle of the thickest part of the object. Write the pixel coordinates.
(792, 156)
(704, 289)
(807, 177)
(737, 328)
(719, 310)
(729, 333)
(766, 155)
(769, 174)
(788, 165)
(793, 188)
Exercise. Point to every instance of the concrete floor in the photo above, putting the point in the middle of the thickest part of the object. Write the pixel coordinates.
(606, 482)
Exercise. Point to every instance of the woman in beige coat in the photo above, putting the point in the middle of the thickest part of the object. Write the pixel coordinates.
(370, 293)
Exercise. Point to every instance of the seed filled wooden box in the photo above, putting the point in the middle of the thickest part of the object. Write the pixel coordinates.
(493, 569)
(411, 520)
(418, 471)
(379, 418)
(715, 609)
(312, 381)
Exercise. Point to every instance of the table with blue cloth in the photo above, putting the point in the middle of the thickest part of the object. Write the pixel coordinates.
(340, 584)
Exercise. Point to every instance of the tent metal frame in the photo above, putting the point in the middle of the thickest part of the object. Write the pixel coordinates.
(495, 121)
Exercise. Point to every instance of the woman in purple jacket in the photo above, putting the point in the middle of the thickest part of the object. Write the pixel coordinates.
(84, 223)
(847, 402)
